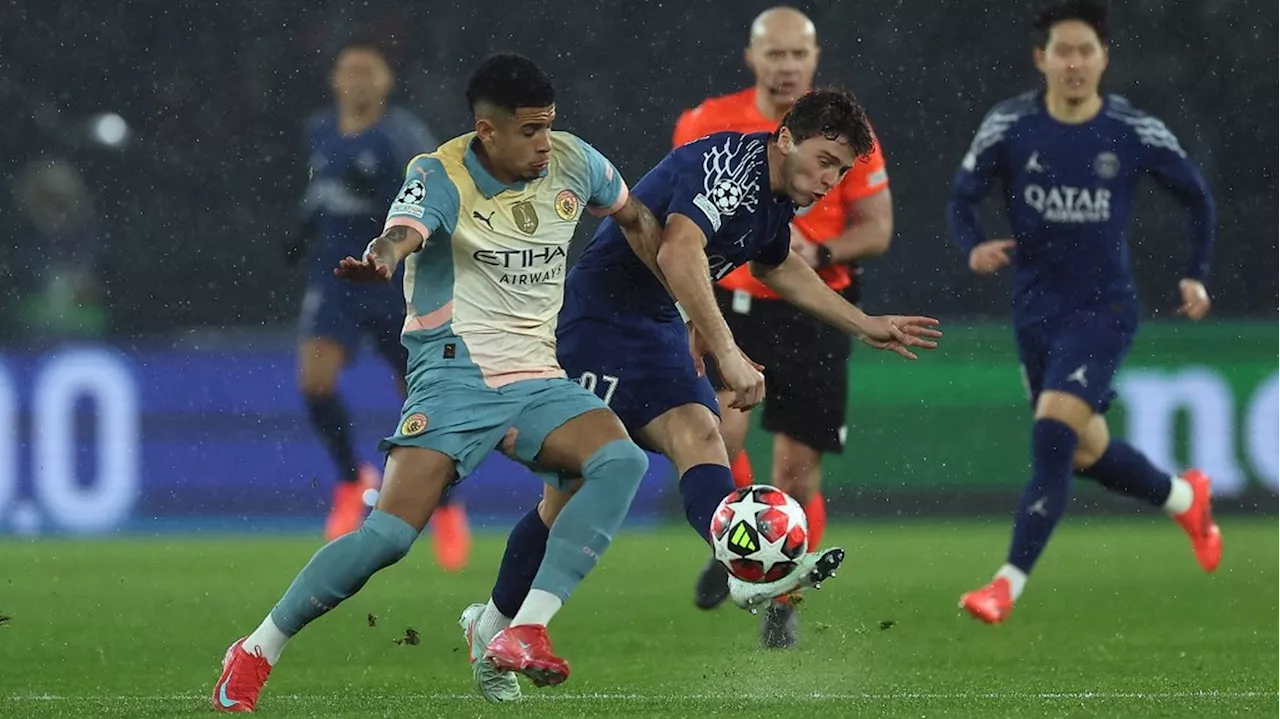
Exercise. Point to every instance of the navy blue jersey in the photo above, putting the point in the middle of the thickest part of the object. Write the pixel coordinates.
(353, 179)
(1068, 191)
(721, 183)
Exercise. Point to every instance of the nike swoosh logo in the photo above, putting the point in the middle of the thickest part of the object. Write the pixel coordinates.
(223, 699)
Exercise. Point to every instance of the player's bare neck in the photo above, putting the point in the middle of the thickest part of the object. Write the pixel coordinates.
(1071, 111)
(353, 120)
(777, 185)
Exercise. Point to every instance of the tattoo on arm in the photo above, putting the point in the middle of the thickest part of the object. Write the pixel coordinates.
(398, 234)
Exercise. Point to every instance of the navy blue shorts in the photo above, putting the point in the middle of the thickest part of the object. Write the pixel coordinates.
(349, 314)
(640, 367)
(1078, 353)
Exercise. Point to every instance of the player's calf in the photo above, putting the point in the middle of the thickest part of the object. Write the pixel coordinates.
(336, 572)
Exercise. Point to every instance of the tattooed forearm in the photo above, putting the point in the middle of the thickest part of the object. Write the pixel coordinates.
(400, 233)
(395, 244)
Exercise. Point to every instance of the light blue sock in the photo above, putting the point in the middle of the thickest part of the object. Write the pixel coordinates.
(341, 568)
(585, 527)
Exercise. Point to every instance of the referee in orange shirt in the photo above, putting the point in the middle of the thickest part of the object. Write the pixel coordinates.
(806, 362)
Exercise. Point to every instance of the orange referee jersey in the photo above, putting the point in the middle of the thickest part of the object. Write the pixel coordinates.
(827, 218)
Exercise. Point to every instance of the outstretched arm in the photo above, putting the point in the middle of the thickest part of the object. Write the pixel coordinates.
(796, 283)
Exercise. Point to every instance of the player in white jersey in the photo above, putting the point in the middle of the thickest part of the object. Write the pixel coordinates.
(483, 225)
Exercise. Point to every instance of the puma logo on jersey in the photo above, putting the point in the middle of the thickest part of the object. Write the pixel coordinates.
(482, 218)
(1078, 376)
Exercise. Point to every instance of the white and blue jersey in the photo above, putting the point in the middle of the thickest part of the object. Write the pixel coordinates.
(1068, 191)
(620, 332)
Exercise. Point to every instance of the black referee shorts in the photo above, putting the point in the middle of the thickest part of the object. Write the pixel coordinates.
(806, 368)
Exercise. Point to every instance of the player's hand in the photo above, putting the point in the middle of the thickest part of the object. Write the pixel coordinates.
(988, 257)
(370, 269)
(742, 375)
(1195, 299)
(808, 251)
(699, 350)
(899, 334)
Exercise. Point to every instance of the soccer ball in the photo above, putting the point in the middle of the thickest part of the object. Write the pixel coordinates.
(726, 195)
(758, 533)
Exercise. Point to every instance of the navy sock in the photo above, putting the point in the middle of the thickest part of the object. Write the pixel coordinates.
(1125, 470)
(525, 549)
(1046, 495)
(329, 418)
(702, 487)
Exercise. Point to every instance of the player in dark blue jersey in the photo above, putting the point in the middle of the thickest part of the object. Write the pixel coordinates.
(1068, 160)
(357, 154)
(726, 200)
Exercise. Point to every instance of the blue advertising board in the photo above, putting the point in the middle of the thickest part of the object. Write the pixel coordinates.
(94, 438)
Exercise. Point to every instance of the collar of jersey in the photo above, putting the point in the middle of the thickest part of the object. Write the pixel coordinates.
(488, 185)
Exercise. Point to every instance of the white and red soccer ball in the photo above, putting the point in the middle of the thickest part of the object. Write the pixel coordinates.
(758, 533)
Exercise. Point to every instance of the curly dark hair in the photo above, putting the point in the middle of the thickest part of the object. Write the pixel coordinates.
(1093, 13)
(832, 113)
(510, 81)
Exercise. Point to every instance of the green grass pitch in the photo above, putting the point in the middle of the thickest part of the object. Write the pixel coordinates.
(1117, 622)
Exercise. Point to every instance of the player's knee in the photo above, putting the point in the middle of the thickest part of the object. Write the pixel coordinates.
(387, 538)
(699, 437)
(1085, 457)
(620, 461)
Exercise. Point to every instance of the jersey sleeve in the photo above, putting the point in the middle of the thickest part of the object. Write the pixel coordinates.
(606, 190)
(866, 177)
(428, 200)
(1162, 157)
(973, 180)
(689, 198)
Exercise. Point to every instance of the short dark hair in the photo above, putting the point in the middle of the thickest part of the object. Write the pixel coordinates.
(510, 81)
(366, 43)
(1093, 13)
(831, 113)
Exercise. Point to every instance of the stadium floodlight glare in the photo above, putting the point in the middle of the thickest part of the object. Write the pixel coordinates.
(108, 129)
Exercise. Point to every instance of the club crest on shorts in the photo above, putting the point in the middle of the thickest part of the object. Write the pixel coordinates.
(525, 216)
(413, 425)
(566, 205)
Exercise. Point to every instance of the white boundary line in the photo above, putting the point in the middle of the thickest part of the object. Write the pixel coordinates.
(625, 697)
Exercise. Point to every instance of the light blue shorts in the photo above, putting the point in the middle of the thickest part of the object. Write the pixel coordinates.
(451, 410)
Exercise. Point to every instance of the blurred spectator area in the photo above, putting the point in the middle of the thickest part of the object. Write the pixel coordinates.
(187, 206)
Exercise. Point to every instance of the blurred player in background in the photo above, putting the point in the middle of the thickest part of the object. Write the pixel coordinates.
(1069, 159)
(726, 200)
(483, 225)
(806, 360)
(358, 151)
